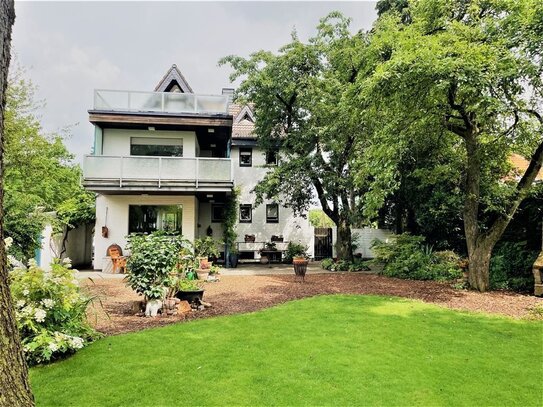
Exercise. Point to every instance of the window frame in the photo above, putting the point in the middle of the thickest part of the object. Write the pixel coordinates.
(246, 206)
(270, 219)
(174, 143)
(276, 154)
(158, 212)
(213, 218)
(246, 150)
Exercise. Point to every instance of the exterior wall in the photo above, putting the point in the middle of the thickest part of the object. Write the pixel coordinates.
(116, 207)
(78, 246)
(117, 141)
(365, 238)
(204, 220)
(292, 228)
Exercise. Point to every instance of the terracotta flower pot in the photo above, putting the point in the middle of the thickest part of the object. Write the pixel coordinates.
(300, 266)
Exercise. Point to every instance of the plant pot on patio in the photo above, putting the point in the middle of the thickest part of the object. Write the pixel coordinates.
(234, 258)
(300, 266)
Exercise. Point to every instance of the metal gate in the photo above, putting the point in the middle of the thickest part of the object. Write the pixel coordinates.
(323, 243)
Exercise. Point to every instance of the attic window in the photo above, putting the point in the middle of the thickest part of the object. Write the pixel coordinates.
(247, 117)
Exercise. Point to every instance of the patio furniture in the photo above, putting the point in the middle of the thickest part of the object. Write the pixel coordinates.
(118, 261)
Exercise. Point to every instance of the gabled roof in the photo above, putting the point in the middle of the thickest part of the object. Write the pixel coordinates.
(520, 165)
(244, 121)
(172, 81)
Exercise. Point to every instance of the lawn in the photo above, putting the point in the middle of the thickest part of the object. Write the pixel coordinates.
(328, 350)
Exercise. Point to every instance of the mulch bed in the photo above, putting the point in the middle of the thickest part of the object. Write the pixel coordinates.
(112, 311)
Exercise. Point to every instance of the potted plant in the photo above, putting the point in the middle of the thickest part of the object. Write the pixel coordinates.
(299, 260)
(233, 256)
(266, 253)
(189, 290)
(152, 258)
(204, 248)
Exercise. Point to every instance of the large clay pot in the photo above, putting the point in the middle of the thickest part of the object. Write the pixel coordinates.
(300, 266)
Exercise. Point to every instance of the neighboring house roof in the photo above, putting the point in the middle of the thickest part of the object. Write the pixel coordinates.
(520, 164)
(244, 121)
(173, 81)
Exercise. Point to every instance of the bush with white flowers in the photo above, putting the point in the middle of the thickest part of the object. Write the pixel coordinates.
(50, 311)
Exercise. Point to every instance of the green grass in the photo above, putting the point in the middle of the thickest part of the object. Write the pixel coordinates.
(333, 350)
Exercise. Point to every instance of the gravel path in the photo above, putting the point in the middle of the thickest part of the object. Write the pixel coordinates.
(112, 312)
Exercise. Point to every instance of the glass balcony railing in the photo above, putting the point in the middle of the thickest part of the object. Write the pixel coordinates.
(159, 102)
(119, 169)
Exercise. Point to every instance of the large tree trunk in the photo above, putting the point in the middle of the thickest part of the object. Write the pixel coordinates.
(14, 386)
(344, 242)
(479, 264)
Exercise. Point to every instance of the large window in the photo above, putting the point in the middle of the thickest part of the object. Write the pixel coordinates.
(245, 213)
(245, 157)
(272, 213)
(150, 218)
(157, 147)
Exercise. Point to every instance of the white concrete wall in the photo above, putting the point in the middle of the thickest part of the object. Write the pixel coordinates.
(365, 238)
(292, 228)
(117, 218)
(117, 141)
(78, 246)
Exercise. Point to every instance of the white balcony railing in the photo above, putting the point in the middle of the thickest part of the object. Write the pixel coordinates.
(159, 102)
(160, 169)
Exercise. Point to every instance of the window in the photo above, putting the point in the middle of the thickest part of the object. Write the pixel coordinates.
(245, 213)
(272, 213)
(271, 157)
(165, 147)
(150, 218)
(217, 213)
(245, 157)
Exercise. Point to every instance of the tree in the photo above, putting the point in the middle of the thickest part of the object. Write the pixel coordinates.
(300, 101)
(29, 152)
(14, 385)
(471, 72)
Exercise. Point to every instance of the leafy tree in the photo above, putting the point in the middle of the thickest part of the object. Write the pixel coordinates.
(14, 383)
(302, 109)
(318, 219)
(38, 170)
(470, 73)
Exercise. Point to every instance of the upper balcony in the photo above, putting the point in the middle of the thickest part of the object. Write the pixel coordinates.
(159, 108)
(118, 174)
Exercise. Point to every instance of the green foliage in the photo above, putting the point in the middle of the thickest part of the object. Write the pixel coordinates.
(294, 250)
(152, 259)
(408, 257)
(50, 311)
(343, 265)
(230, 220)
(184, 284)
(77, 210)
(39, 173)
(206, 247)
(511, 267)
(353, 347)
(318, 219)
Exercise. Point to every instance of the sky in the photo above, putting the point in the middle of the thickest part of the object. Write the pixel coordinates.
(68, 49)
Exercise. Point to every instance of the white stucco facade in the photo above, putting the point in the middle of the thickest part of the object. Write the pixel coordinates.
(112, 212)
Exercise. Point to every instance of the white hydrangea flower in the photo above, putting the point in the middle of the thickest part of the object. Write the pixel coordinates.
(8, 241)
(32, 263)
(66, 260)
(48, 303)
(20, 303)
(26, 292)
(53, 346)
(28, 310)
(76, 342)
(12, 260)
(39, 315)
(75, 281)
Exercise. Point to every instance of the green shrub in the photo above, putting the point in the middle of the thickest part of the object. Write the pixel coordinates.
(408, 257)
(511, 267)
(206, 247)
(50, 311)
(152, 258)
(344, 265)
(294, 250)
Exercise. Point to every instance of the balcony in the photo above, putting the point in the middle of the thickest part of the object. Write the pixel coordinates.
(155, 174)
(159, 102)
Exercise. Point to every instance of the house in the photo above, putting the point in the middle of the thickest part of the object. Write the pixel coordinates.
(168, 160)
